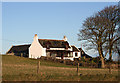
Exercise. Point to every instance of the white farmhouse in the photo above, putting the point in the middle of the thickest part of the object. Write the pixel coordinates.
(59, 49)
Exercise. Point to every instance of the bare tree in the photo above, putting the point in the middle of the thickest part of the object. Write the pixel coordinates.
(117, 43)
(95, 31)
(112, 14)
(100, 30)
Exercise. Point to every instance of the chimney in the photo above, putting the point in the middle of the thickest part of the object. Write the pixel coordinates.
(36, 37)
(65, 38)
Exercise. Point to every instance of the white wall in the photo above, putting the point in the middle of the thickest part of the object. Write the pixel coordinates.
(61, 49)
(70, 58)
(44, 52)
(78, 53)
(36, 50)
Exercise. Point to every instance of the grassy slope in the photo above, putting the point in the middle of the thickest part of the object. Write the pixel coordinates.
(24, 69)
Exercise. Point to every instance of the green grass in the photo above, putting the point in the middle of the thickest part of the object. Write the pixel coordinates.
(16, 68)
(15, 60)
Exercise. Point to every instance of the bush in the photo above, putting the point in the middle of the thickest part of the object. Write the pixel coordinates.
(69, 62)
(83, 62)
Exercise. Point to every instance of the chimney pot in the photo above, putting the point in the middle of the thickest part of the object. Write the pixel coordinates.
(65, 38)
(36, 37)
(35, 34)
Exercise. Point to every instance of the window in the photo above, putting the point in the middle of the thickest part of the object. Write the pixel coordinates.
(48, 47)
(66, 46)
(76, 54)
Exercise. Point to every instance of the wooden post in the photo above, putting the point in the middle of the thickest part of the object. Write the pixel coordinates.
(78, 69)
(38, 66)
(64, 61)
(21, 54)
(110, 69)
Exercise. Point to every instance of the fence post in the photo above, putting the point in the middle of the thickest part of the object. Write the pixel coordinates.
(78, 68)
(110, 69)
(38, 66)
(21, 54)
(64, 61)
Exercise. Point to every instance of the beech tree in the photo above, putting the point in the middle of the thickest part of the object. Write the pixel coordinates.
(100, 30)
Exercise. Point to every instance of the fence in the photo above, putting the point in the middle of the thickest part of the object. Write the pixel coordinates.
(81, 63)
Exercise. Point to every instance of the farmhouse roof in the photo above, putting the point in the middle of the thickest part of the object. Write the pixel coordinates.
(75, 48)
(19, 48)
(84, 54)
(53, 43)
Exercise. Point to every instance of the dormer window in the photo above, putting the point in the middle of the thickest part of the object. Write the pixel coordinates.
(48, 45)
(66, 45)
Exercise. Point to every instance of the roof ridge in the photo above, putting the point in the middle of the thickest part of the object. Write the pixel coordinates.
(75, 47)
(51, 39)
(21, 45)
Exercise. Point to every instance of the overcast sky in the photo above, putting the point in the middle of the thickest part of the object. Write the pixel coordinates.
(51, 20)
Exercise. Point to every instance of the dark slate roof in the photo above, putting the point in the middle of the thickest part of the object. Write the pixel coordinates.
(19, 48)
(81, 50)
(84, 54)
(75, 48)
(87, 56)
(53, 43)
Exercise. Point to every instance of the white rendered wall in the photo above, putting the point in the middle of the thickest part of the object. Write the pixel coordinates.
(70, 58)
(60, 49)
(78, 53)
(36, 50)
(44, 52)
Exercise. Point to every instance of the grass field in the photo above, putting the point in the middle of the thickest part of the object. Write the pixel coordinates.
(16, 68)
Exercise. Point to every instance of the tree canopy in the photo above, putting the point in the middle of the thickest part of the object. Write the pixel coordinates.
(101, 30)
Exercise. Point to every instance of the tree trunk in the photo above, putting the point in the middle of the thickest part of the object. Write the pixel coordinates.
(102, 63)
(101, 56)
(110, 54)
